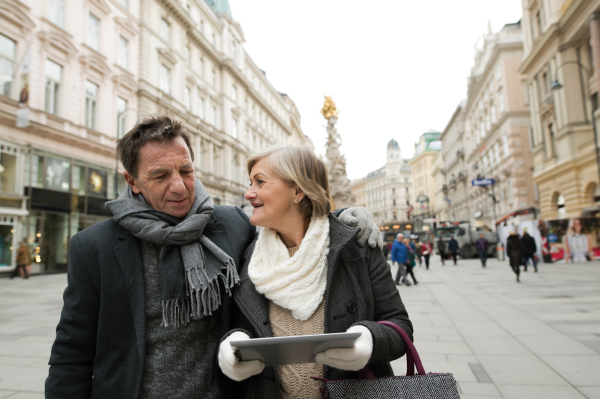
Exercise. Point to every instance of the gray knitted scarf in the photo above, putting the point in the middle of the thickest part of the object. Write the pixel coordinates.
(189, 264)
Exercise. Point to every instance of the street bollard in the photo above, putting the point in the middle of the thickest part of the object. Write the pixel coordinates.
(500, 249)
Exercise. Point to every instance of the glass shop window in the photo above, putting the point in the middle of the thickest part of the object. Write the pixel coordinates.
(8, 172)
(58, 174)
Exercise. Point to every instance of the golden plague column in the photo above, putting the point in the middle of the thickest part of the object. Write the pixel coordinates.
(339, 184)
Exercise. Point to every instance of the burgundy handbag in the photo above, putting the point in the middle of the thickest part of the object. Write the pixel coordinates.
(410, 386)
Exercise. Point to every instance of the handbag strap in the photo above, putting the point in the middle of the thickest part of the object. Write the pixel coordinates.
(412, 357)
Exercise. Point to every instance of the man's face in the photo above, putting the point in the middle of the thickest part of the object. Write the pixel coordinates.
(400, 238)
(165, 177)
(481, 236)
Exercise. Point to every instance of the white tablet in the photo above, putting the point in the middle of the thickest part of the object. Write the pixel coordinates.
(291, 350)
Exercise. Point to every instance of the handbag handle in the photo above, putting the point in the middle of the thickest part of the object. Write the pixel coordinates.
(412, 357)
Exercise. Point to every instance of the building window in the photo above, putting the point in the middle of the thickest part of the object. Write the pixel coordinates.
(493, 113)
(214, 77)
(201, 107)
(7, 64)
(234, 94)
(56, 12)
(187, 99)
(552, 139)
(233, 50)
(536, 193)
(165, 30)
(531, 138)
(58, 174)
(186, 55)
(498, 72)
(234, 128)
(165, 79)
(93, 36)
(123, 53)
(214, 116)
(505, 143)
(214, 40)
(200, 67)
(501, 102)
(53, 79)
(124, 3)
(91, 104)
(121, 117)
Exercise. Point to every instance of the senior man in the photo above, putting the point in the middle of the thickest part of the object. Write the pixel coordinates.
(148, 290)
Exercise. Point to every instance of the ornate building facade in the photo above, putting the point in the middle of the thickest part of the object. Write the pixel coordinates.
(422, 166)
(85, 72)
(489, 136)
(562, 44)
(387, 191)
(67, 74)
(194, 68)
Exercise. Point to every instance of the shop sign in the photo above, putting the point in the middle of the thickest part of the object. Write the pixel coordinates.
(483, 182)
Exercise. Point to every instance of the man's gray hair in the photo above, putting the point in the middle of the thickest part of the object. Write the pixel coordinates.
(399, 234)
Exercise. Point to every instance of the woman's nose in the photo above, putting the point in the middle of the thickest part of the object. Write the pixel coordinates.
(250, 194)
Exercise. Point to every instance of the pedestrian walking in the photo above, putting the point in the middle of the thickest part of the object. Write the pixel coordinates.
(514, 251)
(453, 247)
(482, 246)
(419, 253)
(400, 257)
(426, 252)
(23, 261)
(578, 243)
(442, 250)
(529, 249)
(410, 264)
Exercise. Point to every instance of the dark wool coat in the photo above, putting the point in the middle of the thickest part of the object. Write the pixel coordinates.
(453, 246)
(528, 245)
(100, 339)
(360, 290)
(514, 251)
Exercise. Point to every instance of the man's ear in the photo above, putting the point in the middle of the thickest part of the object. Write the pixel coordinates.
(132, 182)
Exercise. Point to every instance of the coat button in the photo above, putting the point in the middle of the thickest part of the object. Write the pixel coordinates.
(351, 307)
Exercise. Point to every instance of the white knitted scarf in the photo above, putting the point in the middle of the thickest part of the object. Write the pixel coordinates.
(296, 283)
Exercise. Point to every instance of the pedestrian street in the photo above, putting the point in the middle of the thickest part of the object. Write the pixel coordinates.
(539, 338)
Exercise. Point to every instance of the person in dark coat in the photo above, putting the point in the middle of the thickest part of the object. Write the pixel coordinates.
(304, 274)
(127, 328)
(442, 250)
(514, 252)
(453, 247)
(410, 265)
(426, 252)
(23, 260)
(482, 246)
(529, 249)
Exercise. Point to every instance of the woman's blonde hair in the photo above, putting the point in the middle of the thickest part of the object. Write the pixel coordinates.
(299, 165)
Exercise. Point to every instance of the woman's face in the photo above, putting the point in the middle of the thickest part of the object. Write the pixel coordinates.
(577, 226)
(272, 199)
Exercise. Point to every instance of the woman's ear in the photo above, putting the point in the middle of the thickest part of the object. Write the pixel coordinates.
(298, 195)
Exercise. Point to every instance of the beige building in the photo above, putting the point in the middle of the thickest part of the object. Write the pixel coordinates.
(422, 166)
(439, 200)
(562, 43)
(454, 186)
(497, 127)
(194, 68)
(386, 191)
(78, 66)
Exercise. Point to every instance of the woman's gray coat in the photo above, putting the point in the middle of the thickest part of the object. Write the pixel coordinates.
(360, 290)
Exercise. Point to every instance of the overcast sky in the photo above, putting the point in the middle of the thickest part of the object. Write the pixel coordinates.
(395, 68)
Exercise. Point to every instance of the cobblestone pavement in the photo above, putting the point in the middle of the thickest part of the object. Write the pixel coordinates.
(501, 339)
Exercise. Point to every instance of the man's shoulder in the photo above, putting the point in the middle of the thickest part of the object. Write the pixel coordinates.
(99, 232)
(230, 214)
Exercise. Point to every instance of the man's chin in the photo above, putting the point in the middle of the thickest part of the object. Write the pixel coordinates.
(178, 211)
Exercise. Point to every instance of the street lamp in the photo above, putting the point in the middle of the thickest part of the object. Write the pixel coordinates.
(557, 86)
(121, 122)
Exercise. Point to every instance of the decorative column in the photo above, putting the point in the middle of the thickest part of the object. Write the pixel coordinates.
(594, 22)
(339, 184)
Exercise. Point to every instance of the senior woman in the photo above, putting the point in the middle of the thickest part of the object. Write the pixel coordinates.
(305, 274)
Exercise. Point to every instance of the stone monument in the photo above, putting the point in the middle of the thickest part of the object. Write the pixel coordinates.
(339, 184)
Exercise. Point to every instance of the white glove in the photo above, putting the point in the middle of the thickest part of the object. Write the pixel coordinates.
(231, 366)
(369, 232)
(349, 358)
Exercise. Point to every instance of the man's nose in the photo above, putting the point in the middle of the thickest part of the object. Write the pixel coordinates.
(177, 185)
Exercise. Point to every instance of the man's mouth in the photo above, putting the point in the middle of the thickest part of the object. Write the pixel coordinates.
(178, 201)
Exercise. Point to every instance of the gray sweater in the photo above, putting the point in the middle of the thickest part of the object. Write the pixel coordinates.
(180, 363)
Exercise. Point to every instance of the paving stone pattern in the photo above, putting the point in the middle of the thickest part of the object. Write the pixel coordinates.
(501, 339)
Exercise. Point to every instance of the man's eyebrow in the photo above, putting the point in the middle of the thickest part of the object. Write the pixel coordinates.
(187, 165)
(157, 172)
